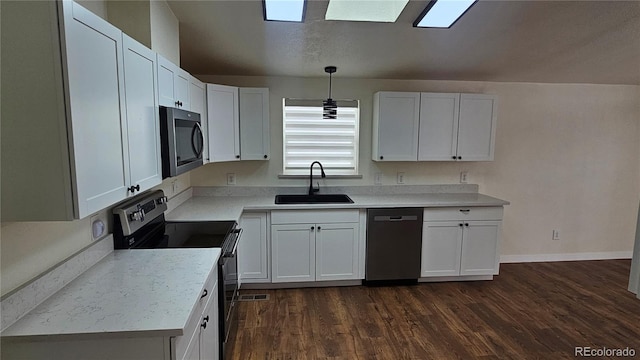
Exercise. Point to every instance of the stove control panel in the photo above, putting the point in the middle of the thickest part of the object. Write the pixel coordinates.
(140, 210)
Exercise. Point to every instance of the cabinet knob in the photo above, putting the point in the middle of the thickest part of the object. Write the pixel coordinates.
(460, 225)
(381, 157)
(133, 189)
(204, 293)
(459, 157)
(466, 224)
(237, 156)
(319, 228)
(265, 156)
(312, 228)
(453, 157)
(205, 320)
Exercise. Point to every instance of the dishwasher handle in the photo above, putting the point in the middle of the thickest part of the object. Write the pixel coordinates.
(396, 218)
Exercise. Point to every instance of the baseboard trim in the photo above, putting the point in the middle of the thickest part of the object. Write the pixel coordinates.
(293, 285)
(455, 278)
(505, 259)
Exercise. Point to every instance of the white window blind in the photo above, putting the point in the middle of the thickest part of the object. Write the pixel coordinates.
(308, 137)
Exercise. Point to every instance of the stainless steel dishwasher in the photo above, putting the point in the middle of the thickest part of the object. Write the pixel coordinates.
(394, 244)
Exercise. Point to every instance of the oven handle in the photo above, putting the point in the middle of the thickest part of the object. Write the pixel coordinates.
(235, 246)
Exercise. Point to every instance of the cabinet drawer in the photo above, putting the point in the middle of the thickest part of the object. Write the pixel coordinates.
(314, 216)
(463, 213)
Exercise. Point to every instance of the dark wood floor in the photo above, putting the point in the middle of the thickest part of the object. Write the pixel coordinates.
(529, 311)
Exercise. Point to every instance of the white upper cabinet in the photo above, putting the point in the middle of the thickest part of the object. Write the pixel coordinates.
(395, 126)
(173, 85)
(254, 124)
(438, 126)
(92, 139)
(143, 125)
(410, 126)
(223, 123)
(457, 127)
(94, 63)
(198, 100)
(477, 129)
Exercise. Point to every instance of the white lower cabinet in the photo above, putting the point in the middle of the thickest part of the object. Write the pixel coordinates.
(204, 343)
(441, 248)
(337, 251)
(480, 248)
(305, 250)
(293, 253)
(461, 241)
(253, 250)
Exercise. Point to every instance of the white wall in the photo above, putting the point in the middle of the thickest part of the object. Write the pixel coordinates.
(133, 18)
(566, 157)
(165, 38)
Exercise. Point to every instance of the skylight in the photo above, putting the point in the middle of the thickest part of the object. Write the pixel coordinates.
(443, 13)
(284, 10)
(365, 10)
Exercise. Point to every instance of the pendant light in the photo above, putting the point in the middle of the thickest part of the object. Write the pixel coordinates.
(329, 106)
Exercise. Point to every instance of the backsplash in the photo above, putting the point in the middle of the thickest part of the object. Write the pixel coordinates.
(353, 190)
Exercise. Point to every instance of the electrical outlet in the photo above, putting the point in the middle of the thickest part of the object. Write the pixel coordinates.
(98, 226)
(231, 179)
(174, 187)
(463, 177)
(400, 178)
(555, 235)
(377, 179)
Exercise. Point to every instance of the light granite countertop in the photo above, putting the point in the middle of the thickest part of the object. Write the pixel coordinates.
(128, 293)
(218, 208)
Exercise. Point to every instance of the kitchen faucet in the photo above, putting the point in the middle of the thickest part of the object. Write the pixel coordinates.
(313, 190)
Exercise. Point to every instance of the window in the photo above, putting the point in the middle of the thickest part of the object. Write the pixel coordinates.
(307, 137)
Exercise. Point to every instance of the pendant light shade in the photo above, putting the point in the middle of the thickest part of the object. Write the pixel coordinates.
(329, 106)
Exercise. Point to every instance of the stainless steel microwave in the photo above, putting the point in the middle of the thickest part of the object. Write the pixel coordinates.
(182, 141)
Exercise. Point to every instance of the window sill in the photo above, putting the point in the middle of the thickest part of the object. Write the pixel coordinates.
(317, 176)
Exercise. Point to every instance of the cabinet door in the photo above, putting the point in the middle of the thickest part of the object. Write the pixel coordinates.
(293, 257)
(143, 124)
(209, 333)
(395, 126)
(224, 123)
(477, 127)
(198, 102)
(252, 250)
(166, 86)
(441, 248)
(193, 351)
(95, 82)
(181, 82)
(337, 251)
(438, 137)
(480, 248)
(254, 124)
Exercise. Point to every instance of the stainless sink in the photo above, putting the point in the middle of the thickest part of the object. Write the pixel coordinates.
(314, 199)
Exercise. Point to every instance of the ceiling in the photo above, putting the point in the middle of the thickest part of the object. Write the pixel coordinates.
(521, 41)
